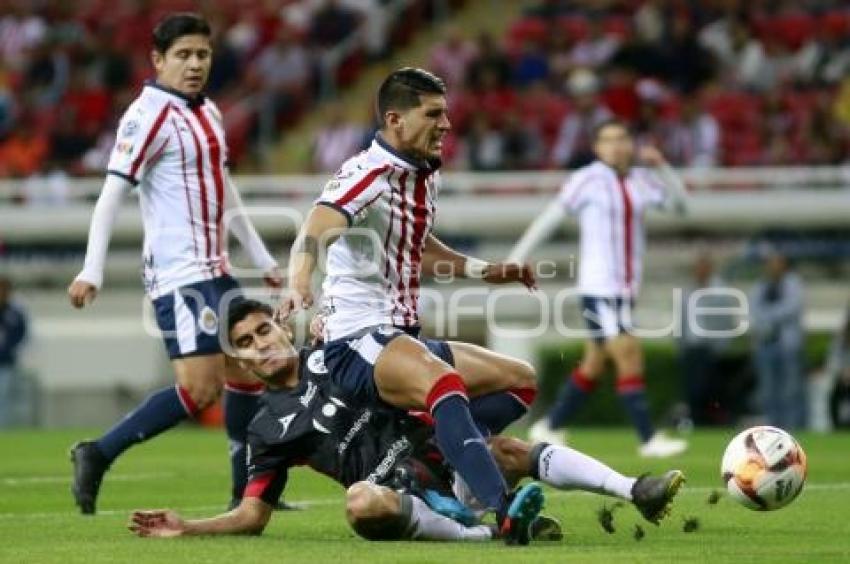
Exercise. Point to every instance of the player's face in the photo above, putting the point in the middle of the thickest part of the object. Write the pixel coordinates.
(420, 130)
(263, 347)
(185, 66)
(614, 146)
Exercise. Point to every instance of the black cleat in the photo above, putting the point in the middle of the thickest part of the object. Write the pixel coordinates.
(523, 507)
(652, 496)
(545, 528)
(89, 467)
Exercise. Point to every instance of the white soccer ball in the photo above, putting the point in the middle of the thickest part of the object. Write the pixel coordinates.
(764, 468)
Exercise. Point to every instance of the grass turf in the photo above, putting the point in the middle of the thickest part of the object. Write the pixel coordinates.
(187, 470)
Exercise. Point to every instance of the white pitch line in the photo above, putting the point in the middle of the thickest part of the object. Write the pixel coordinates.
(67, 479)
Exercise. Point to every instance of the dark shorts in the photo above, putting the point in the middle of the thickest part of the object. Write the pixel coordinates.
(351, 360)
(189, 317)
(606, 317)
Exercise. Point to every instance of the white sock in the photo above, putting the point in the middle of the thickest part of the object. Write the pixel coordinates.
(426, 524)
(567, 469)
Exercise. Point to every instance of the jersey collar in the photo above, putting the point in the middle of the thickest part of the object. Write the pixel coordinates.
(190, 101)
(380, 144)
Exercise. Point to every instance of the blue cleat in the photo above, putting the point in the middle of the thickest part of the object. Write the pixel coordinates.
(449, 507)
(524, 506)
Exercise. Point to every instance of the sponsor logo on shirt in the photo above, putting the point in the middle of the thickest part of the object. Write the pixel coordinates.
(316, 362)
(352, 432)
(124, 147)
(285, 422)
(130, 128)
(309, 394)
(389, 461)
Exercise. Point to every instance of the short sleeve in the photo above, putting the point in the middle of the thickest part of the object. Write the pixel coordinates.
(268, 470)
(141, 138)
(574, 192)
(651, 187)
(354, 188)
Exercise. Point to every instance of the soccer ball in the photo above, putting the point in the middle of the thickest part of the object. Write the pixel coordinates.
(764, 468)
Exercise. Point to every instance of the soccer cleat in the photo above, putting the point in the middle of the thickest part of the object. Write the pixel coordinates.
(541, 432)
(662, 446)
(89, 467)
(524, 506)
(545, 528)
(652, 496)
(449, 507)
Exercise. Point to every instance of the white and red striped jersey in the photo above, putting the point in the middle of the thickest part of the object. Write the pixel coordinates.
(610, 211)
(174, 149)
(373, 269)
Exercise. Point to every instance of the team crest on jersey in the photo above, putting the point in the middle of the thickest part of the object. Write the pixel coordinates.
(208, 321)
(332, 185)
(129, 128)
(316, 362)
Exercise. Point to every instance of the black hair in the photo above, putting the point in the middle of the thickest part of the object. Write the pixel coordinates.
(609, 122)
(402, 88)
(241, 309)
(174, 26)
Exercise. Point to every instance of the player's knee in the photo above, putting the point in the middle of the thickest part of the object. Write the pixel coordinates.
(203, 394)
(511, 455)
(524, 375)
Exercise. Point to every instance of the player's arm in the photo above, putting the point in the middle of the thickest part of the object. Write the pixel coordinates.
(248, 237)
(249, 518)
(322, 227)
(676, 193)
(539, 231)
(438, 259)
(85, 286)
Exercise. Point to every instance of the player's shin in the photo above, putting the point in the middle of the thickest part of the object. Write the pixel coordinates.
(461, 443)
(565, 468)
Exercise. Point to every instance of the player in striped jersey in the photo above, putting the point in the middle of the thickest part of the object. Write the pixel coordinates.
(376, 215)
(171, 146)
(609, 197)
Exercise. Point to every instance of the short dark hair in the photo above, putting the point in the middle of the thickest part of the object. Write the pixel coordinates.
(402, 88)
(609, 122)
(241, 309)
(174, 26)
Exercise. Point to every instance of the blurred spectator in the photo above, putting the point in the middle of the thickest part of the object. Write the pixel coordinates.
(490, 61)
(13, 331)
(531, 64)
(336, 140)
(21, 29)
(596, 49)
(573, 147)
(687, 65)
(829, 389)
(700, 346)
(47, 74)
(450, 58)
(485, 144)
(522, 146)
(331, 24)
(283, 71)
(823, 139)
(24, 152)
(694, 139)
(776, 309)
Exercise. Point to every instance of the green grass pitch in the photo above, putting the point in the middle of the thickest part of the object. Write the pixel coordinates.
(187, 470)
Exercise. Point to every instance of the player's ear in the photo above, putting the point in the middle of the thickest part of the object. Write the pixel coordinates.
(392, 119)
(157, 59)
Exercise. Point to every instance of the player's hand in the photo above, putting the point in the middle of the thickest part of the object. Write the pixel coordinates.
(162, 523)
(81, 293)
(317, 329)
(507, 272)
(651, 156)
(294, 300)
(273, 278)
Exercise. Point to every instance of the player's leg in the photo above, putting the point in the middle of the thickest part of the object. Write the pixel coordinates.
(502, 388)
(379, 513)
(565, 468)
(408, 375)
(625, 351)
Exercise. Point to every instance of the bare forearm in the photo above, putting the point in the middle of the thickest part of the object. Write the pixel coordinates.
(231, 523)
(438, 259)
